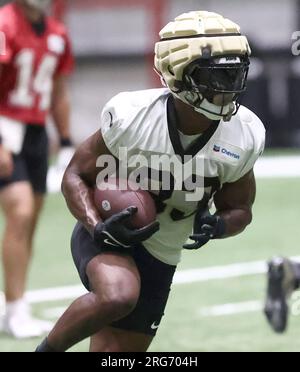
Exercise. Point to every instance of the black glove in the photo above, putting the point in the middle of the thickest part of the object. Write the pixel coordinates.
(206, 227)
(114, 231)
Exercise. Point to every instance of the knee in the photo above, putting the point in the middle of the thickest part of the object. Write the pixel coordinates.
(124, 303)
(119, 304)
(20, 218)
(116, 290)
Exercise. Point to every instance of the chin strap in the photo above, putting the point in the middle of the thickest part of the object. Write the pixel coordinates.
(204, 107)
(207, 110)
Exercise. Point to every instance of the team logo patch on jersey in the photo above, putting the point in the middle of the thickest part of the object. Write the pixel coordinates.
(226, 151)
(56, 44)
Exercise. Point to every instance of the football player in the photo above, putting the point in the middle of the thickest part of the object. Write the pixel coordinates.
(33, 69)
(203, 61)
(283, 280)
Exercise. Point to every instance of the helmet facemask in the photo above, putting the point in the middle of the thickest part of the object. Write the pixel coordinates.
(213, 86)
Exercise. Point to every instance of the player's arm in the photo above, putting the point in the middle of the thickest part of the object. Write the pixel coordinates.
(77, 186)
(234, 204)
(60, 107)
(60, 110)
(234, 212)
(80, 178)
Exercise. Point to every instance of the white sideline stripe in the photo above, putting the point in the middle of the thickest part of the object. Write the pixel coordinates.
(231, 309)
(55, 294)
(279, 166)
(181, 277)
(220, 272)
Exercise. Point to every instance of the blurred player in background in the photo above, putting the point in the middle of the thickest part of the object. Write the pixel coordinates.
(33, 72)
(283, 280)
(203, 61)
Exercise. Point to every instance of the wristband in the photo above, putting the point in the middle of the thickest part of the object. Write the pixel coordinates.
(65, 142)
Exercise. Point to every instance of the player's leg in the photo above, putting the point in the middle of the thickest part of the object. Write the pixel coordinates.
(22, 200)
(112, 339)
(135, 332)
(38, 203)
(17, 203)
(283, 279)
(115, 284)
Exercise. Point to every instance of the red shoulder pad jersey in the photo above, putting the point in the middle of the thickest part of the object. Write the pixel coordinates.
(30, 64)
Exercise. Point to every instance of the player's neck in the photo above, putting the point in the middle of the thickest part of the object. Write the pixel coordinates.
(190, 122)
(33, 15)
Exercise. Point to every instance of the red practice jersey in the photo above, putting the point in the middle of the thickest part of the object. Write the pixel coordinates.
(30, 64)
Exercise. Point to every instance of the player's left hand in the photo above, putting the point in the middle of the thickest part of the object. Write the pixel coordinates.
(206, 228)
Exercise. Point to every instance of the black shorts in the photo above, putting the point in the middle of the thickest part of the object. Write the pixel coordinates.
(32, 163)
(156, 280)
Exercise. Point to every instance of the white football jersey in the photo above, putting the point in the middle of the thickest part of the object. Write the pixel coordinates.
(144, 122)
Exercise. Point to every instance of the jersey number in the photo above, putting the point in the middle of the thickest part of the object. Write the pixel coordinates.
(30, 85)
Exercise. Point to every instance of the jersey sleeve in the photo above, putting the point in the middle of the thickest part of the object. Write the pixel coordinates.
(6, 43)
(254, 155)
(255, 145)
(66, 63)
(112, 127)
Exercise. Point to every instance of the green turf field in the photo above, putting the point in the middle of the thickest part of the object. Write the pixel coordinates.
(275, 230)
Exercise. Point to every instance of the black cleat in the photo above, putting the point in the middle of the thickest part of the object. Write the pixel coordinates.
(281, 284)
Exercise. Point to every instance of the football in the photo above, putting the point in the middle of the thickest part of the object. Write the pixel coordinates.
(114, 195)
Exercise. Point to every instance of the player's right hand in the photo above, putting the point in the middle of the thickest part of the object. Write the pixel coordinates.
(114, 232)
(6, 163)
